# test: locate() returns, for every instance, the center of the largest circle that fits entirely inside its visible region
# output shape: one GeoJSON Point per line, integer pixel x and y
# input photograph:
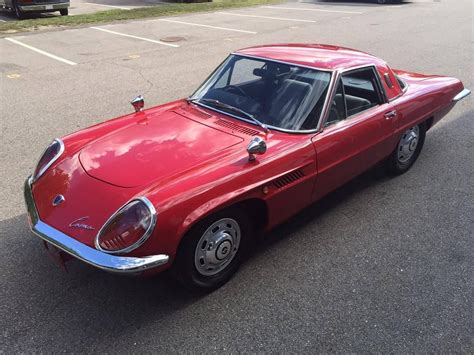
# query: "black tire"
{"type": "Point", "coordinates": [398, 166]}
{"type": "Point", "coordinates": [185, 269]}
{"type": "Point", "coordinates": [64, 12]}
{"type": "Point", "coordinates": [18, 13]}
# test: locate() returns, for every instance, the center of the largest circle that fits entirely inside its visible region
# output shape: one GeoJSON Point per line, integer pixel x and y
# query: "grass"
{"type": "Point", "coordinates": [123, 15]}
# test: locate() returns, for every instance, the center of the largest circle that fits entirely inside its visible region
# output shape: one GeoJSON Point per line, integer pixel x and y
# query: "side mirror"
{"type": "Point", "coordinates": [138, 103]}
{"type": "Point", "coordinates": [257, 146]}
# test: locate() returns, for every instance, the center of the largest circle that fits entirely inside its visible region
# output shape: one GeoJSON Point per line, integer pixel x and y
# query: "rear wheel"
{"type": "Point", "coordinates": [64, 12]}
{"type": "Point", "coordinates": [408, 149]}
{"type": "Point", "coordinates": [212, 251]}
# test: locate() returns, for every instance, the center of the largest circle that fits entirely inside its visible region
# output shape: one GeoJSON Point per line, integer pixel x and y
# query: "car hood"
{"type": "Point", "coordinates": [153, 148]}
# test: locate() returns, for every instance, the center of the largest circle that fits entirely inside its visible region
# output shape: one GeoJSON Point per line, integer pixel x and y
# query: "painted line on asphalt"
{"type": "Point", "coordinates": [135, 37]}
{"type": "Point", "coordinates": [111, 6]}
{"type": "Point", "coordinates": [3, 21]}
{"type": "Point", "coordinates": [40, 51]}
{"type": "Point", "coordinates": [208, 26]}
{"type": "Point", "coordinates": [307, 9]}
{"type": "Point", "coordinates": [266, 17]}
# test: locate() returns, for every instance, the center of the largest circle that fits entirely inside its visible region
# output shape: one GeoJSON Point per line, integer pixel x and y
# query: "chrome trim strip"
{"type": "Point", "coordinates": [461, 95]}
{"type": "Point", "coordinates": [338, 76]}
{"type": "Point", "coordinates": [377, 76]}
{"type": "Point", "coordinates": [144, 237]}
{"type": "Point", "coordinates": [272, 128]}
{"type": "Point", "coordinates": [56, 157]}
{"type": "Point", "coordinates": [91, 256]}
{"type": "Point", "coordinates": [326, 107]}
{"type": "Point", "coordinates": [282, 62]}
{"type": "Point", "coordinates": [278, 129]}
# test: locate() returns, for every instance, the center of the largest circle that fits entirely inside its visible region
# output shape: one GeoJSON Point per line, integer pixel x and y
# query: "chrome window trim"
{"type": "Point", "coordinates": [307, 131]}
{"type": "Point", "coordinates": [51, 162]}
{"type": "Point", "coordinates": [404, 89]}
{"type": "Point", "coordinates": [377, 77]}
{"type": "Point", "coordinates": [273, 128]}
{"type": "Point", "coordinates": [339, 75]}
{"type": "Point", "coordinates": [143, 238]}
{"type": "Point", "coordinates": [282, 62]}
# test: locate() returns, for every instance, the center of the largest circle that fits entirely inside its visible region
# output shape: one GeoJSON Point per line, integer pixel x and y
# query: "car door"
{"type": "Point", "coordinates": [358, 131]}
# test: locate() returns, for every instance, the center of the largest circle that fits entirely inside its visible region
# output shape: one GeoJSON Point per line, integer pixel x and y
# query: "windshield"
{"type": "Point", "coordinates": [261, 91]}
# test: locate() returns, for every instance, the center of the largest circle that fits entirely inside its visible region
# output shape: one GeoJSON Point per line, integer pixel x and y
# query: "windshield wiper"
{"type": "Point", "coordinates": [223, 105]}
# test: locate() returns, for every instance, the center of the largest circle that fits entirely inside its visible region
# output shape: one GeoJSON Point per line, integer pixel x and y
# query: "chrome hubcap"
{"type": "Point", "coordinates": [408, 144]}
{"type": "Point", "coordinates": [217, 247]}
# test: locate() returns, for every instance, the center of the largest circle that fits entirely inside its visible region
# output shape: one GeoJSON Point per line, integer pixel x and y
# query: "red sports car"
{"type": "Point", "coordinates": [188, 185]}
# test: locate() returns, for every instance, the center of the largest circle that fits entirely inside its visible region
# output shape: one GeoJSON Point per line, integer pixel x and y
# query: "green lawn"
{"type": "Point", "coordinates": [122, 15]}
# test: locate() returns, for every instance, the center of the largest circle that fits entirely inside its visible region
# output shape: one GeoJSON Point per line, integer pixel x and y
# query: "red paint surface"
{"type": "Point", "coordinates": [189, 166]}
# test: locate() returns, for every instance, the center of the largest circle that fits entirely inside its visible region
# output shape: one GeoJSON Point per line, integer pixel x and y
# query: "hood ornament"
{"type": "Point", "coordinates": [77, 224]}
{"type": "Point", "coordinates": [58, 200]}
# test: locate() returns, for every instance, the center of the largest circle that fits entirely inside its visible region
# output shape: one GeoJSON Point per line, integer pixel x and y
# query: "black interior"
{"type": "Point", "coordinates": [275, 93]}
{"type": "Point", "coordinates": [356, 92]}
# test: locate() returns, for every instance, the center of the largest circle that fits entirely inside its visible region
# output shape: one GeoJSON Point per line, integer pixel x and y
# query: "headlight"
{"type": "Point", "coordinates": [128, 228]}
{"type": "Point", "coordinates": [50, 155]}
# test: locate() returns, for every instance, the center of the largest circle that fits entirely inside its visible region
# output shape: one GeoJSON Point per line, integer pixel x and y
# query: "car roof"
{"type": "Point", "coordinates": [318, 56]}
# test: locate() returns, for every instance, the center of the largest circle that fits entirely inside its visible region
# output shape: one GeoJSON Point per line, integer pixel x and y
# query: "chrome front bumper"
{"type": "Point", "coordinates": [101, 260]}
{"type": "Point", "coordinates": [44, 7]}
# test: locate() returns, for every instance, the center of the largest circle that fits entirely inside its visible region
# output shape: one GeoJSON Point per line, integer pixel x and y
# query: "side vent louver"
{"type": "Point", "coordinates": [236, 127]}
{"type": "Point", "coordinates": [288, 179]}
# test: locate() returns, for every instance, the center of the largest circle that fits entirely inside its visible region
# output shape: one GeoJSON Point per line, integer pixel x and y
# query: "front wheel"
{"type": "Point", "coordinates": [64, 12]}
{"type": "Point", "coordinates": [211, 252]}
{"type": "Point", "coordinates": [408, 149]}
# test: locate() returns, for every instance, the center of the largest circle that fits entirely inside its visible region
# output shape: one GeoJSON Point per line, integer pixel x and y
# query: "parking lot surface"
{"type": "Point", "coordinates": [381, 265]}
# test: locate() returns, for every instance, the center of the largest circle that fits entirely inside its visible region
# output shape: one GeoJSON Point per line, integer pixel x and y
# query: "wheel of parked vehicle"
{"type": "Point", "coordinates": [211, 252]}
{"type": "Point", "coordinates": [408, 149]}
{"type": "Point", "coordinates": [18, 13]}
{"type": "Point", "coordinates": [64, 12]}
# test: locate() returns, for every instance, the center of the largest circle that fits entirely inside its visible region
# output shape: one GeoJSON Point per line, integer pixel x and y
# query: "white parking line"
{"type": "Point", "coordinates": [136, 37]}
{"type": "Point", "coordinates": [208, 26]}
{"type": "Point", "coordinates": [111, 6]}
{"type": "Point", "coordinates": [266, 17]}
{"type": "Point", "coordinates": [40, 51]}
{"type": "Point", "coordinates": [307, 9]}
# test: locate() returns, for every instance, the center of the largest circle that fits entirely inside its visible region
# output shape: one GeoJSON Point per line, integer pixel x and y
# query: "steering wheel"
{"type": "Point", "coordinates": [239, 90]}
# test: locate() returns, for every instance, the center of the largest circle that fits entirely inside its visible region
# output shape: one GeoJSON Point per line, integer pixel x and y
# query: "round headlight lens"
{"type": "Point", "coordinates": [50, 155]}
{"type": "Point", "coordinates": [128, 228]}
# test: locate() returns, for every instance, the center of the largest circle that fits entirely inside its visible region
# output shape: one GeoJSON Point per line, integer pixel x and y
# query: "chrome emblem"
{"type": "Point", "coordinates": [58, 200]}
{"type": "Point", "coordinates": [77, 224]}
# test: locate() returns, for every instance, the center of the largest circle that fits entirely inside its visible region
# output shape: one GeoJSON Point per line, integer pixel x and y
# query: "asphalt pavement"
{"type": "Point", "coordinates": [381, 265]}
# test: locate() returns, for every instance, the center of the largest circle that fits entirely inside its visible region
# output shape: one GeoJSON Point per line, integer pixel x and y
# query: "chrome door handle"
{"type": "Point", "coordinates": [391, 114]}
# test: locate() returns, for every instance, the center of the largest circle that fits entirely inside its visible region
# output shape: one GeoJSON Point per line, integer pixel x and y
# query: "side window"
{"type": "Point", "coordinates": [337, 112]}
{"type": "Point", "coordinates": [244, 71]}
{"type": "Point", "coordinates": [360, 91]}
